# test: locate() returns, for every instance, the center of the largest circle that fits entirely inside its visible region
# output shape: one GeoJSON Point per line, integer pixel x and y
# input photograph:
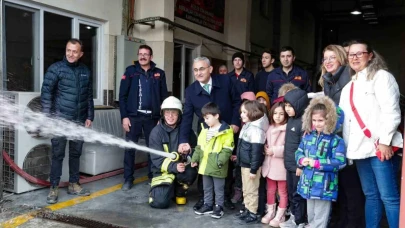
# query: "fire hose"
{"type": "Point", "coordinates": [174, 156]}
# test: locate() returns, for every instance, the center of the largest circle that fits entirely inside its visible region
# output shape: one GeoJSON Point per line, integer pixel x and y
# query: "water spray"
{"type": "Point", "coordinates": [56, 127]}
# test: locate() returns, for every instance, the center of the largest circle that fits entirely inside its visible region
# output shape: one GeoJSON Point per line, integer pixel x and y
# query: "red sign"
{"type": "Point", "coordinates": [207, 13]}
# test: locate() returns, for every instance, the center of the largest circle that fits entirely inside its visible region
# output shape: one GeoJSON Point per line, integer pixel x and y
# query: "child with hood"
{"type": "Point", "coordinates": [321, 154]}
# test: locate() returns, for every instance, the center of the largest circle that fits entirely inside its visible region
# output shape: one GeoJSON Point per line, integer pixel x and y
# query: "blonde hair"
{"type": "Point", "coordinates": [341, 57]}
{"type": "Point", "coordinates": [375, 64]}
{"type": "Point", "coordinates": [285, 88]}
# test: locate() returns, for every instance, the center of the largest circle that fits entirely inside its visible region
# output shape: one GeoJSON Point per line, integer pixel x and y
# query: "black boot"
{"type": "Point", "coordinates": [251, 218]}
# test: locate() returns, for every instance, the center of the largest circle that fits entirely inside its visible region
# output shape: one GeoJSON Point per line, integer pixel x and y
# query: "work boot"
{"type": "Point", "coordinates": [76, 189]}
{"type": "Point", "coordinates": [271, 212]}
{"type": "Point", "coordinates": [126, 186]}
{"type": "Point", "coordinates": [53, 195]}
{"type": "Point", "coordinates": [181, 200]}
{"type": "Point", "coordinates": [199, 204]}
{"type": "Point", "coordinates": [279, 218]}
{"type": "Point", "coordinates": [237, 195]}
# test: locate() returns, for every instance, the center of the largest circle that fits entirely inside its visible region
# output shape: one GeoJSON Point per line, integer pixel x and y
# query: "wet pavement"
{"type": "Point", "coordinates": [110, 205]}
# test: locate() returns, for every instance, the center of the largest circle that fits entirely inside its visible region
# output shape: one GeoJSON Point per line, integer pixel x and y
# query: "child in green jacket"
{"type": "Point", "coordinates": [214, 148]}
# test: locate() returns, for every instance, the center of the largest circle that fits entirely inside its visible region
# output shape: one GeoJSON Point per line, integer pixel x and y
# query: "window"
{"type": "Point", "coordinates": [20, 45]}
{"type": "Point", "coordinates": [35, 38]}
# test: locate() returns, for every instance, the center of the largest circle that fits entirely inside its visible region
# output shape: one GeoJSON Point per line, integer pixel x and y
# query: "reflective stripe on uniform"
{"type": "Point", "coordinates": [165, 165]}
{"type": "Point", "coordinates": [164, 179]}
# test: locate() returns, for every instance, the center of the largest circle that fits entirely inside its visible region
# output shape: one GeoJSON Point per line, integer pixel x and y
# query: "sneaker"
{"type": "Point", "coordinates": [76, 189]}
{"type": "Point", "coordinates": [237, 195]}
{"type": "Point", "coordinates": [199, 204]}
{"type": "Point", "coordinates": [301, 225]}
{"type": "Point", "coordinates": [218, 212]}
{"type": "Point", "coordinates": [251, 218]}
{"type": "Point", "coordinates": [127, 185]}
{"type": "Point", "coordinates": [204, 210]}
{"type": "Point", "coordinates": [53, 195]}
{"type": "Point", "coordinates": [229, 205]}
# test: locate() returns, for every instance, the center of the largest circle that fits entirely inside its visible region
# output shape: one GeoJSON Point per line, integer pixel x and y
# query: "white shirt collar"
{"type": "Point", "coordinates": [209, 83]}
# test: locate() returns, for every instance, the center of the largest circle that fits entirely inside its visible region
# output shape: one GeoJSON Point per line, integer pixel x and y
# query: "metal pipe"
{"type": "Point", "coordinates": [174, 24]}
{"type": "Point", "coordinates": [150, 21]}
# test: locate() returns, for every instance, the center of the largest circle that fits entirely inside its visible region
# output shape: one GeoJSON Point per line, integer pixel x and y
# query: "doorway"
{"type": "Point", "coordinates": [182, 69]}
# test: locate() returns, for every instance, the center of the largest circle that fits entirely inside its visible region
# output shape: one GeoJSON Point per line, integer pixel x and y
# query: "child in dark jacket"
{"type": "Point", "coordinates": [321, 154]}
{"type": "Point", "coordinates": [250, 155]}
{"type": "Point", "coordinates": [296, 101]}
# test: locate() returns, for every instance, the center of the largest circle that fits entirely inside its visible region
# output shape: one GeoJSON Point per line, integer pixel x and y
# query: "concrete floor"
{"type": "Point", "coordinates": [127, 209]}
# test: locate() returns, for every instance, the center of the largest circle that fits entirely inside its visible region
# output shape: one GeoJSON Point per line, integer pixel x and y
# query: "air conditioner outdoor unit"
{"type": "Point", "coordinates": [32, 154]}
{"type": "Point", "coordinates": [98, 158]}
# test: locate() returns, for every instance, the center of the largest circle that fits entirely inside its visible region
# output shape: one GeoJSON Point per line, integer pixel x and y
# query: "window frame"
{"type": "Point", "coordinates": [76, 21]}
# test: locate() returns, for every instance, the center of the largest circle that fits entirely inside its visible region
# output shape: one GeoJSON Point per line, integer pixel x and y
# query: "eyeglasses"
{"type": "Point", "coordinates": [201, 69]}
{"type": "Point", "coordinates": [171, 113]}
{"type": "Point", "coordinates": [143, 54]}
{"type": "Point", "coordinates": [358, 54]}
{"type": "Point", "coordinates": [330, 59]}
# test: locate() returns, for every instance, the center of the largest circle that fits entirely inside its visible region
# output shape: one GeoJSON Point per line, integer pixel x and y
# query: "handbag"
{"type": "Point", "coordinates": [396, 141]}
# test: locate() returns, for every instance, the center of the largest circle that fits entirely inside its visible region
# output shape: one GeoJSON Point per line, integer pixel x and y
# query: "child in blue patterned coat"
{"type": "Point", "coordinates": [321, 153]}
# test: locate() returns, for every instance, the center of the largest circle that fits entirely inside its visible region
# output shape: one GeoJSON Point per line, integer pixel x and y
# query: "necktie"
{"type": "Point", "coordinates": [206, 87]}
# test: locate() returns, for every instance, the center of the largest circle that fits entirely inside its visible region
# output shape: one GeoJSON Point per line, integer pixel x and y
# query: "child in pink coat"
{"type": "Point", "coordinates": [273, 166]}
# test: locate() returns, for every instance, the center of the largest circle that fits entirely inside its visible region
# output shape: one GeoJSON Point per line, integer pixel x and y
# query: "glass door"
{"type": "Point", "coordinates": [182, 69]}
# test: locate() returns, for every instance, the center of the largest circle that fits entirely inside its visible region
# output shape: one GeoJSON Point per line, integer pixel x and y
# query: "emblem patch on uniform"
{"type": "Point", "coordinates": [123, 77]}
{"type": "Point", "coordinates": [156, 75]}
{"type": "Point", "coordinates": [298, 78]}
{"type": "Point", "coordinates": [243, 79]}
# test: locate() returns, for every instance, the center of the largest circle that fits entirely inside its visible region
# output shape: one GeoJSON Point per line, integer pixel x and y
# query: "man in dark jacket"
{"type": "Point", "coordinates": [296, 101]}
{"type": "Point", "coordinates": [243, 79]}
{"type": "Point", "coordinates": [165, 137]}
{"type": "Point", "coordinates": [217, 89]}
{"type": "Point", "coordinates": [67, 93]}
{"type": "Point", "coordinates": [288, 72]}
{"type": "Point", "coordinates": [263, 75]}
{"type": "Point", "coordinates": [142, 91]}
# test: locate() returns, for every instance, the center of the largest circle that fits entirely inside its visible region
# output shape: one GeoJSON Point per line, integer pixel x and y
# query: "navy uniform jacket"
{"type": "Point", "coordinates": [278, 77]}
{"type": "Point", "coordinates": [245, 82]}
{"type": "Point", "coordinates": [261, 81]}
{"type": "Point", "coordinates": [129, 89]}
{"type": "Point", "coordinates": [223, 93]}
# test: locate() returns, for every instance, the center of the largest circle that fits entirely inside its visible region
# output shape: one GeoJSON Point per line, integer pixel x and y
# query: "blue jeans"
{"type": "Point", "coordinates": [138, 123]}
{"type": "Point", "coordinates": [379, 184]}
{"type": "Point", "coordinates": [58, 154]}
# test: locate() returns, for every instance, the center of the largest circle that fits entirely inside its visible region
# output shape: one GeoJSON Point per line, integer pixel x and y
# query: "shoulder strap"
{"type": "Point", "coordinates": [363, 127]}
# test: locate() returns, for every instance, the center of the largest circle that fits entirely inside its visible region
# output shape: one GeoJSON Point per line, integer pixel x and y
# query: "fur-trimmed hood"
{"type": "Point", "coordinates": [334, 115]}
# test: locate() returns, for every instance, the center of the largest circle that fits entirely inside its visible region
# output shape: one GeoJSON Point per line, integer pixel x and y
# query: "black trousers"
{"type": "Point", "coordinates": [161, 195]}
{"type": "Point", "coordinates": [298, 205]}
{"type": "Point", "coordinates": [350, 199]}
{"type": "Point", "coordinates": [58, 154]}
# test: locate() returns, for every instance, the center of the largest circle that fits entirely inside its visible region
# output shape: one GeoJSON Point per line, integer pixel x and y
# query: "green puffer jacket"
{"type": "Point", "coordinates": [213, 156]}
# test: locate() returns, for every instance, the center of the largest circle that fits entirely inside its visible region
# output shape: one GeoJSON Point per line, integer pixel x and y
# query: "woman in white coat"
{"type": "Point", "coordinates": [372, 115]}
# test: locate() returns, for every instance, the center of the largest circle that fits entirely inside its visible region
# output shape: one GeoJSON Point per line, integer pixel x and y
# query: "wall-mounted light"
{"type": "Point", "coordinates": [88, 27]}
{"type": "Point", "coordinates": [356, 12]}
